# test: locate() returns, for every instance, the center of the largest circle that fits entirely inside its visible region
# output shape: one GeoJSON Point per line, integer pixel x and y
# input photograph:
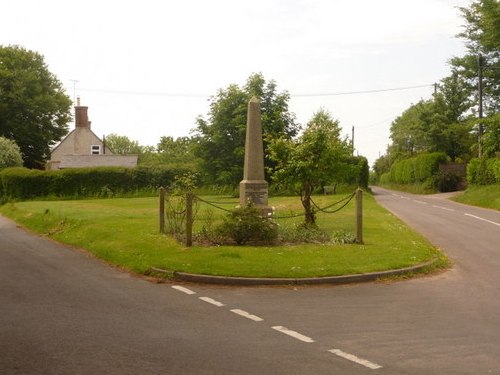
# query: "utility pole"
{"type": "Point", "coordinates": [352, 140]}
{"type": "Point", "coordinates": [480, 64]}
{"type": "Point", "coordinates": [75, 81]}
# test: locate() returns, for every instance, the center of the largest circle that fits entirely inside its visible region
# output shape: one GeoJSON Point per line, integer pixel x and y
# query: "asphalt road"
{"type": "Point", "coordinates": [63, 312]}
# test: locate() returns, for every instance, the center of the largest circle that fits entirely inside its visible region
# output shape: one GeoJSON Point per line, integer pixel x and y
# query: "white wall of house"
{"type": "Point", "coordinates": [82, 148]}
{"type": "Point", "coordinates": [79, 142]}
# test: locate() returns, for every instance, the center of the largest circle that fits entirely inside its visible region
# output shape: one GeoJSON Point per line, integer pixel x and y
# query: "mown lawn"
{"type": "Point", "coordinates": [125, 232]}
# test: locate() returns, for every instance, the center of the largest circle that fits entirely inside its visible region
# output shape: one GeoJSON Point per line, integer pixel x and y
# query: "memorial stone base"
{"type": "Point", "coordinates": [257, 193]}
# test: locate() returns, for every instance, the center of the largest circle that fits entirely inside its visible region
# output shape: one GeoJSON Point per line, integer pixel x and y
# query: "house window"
{"type": "Point", "coordinates": [95, 150]}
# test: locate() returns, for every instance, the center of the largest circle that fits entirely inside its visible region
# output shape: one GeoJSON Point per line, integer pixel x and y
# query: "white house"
{"type": "Point", "coordinates": [82, 148]}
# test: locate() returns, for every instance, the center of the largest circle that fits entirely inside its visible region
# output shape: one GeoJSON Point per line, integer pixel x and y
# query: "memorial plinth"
{"type": "Point", "coordinates": [253, 187]}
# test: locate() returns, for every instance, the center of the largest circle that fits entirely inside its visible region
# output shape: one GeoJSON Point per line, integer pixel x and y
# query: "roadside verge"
{"type": "Point", "coordinates": [261, 281]}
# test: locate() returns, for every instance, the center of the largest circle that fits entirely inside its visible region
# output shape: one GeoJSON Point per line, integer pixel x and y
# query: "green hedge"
{"type": "Point", "coordinates": [481, 171]}
{"type": "Point", "coordinates": [419, 169]}
{"type": "Point", "coordinates": [22, 183]}
{"type": "Point", "coordinates": [358, 171]}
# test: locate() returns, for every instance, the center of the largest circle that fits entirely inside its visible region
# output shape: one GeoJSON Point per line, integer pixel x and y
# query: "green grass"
{"type": "Point", "coordinates": [124, 232]}
{"type": "Point", "coordinates": [484, 196]}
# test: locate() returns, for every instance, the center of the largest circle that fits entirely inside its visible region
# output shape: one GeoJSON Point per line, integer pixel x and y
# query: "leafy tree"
{"type": "Point", "coordinates": [10, 154]}
{"type": "Point", "coordinates": [122, 145]}
{"type": "Point", "coordinates": [318, 157]}
{"type": "Point", "coordinates": [482, 37]}
{"type": "Point", "coordinates": [439, 124]}
{"type": "Point", "coordinates": [220, 138]}
{"type": "Point", "coordinates": [34, 110]}
{"type": "Point", "coordinates": [176, 150]}
{"type": "Point", "coordinates": [446, 122]}
{"type": "Point", "coordinates": [177, 153]}
{"type": "Point", "coordinates": [491, 139]}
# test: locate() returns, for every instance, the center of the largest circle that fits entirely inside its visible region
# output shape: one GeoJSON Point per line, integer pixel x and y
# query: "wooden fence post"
{"type": "Point", "coordinates": [359, 216]}
{"type": "Point", "coordinates": [189, 219]}
{"type": "Point", "coordinates": [162, 210]}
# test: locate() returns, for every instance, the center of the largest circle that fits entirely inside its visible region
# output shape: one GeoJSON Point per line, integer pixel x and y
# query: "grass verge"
{"type": "Point", "coordinates": [124, 232]}
{"type": "Point", "coordinates": [487, 196]}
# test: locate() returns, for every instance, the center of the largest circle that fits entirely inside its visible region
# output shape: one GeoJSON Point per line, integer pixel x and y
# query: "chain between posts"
{"type": "Point", "coordinates": [190, 217]}
{"type": "Point", "coordinates": [213, 205]}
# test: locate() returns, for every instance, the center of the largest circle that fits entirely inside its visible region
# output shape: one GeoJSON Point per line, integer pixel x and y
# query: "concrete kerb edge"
{"type": "Point", "coordinates": [260, 281]}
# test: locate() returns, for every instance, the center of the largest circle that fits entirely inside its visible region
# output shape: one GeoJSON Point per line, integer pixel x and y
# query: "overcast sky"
{"type": "Point", "coordinates": [147, 68]}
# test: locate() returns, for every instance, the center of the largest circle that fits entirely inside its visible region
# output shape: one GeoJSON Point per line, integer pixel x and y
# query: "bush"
{"type": "Point", "coordinates": [10, 154]}
{"type": "Point", "coordinates": [495, 167]}
{"type": "Point", "coordinates": [420, 169]}
{"type": "Point", "coordinates": [481, 171]}
{"type": "Point", "coordinates": [21, 183]}
{"type": "Point", "coordinates": [385, 178]}
{"type": "Point", "coordinates": [303, 234]}
{"type": "Point", "coordinates": [247, 224]}
{"type": "Point", "coordinates": [358, 172]}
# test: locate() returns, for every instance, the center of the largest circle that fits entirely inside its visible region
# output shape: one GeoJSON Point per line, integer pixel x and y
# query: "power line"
{"type": "Point", "coordinates": [366, 91]}
{"type": "Point", "coordinates": [145, 93]}
{"type": "Point", "coordinates": [194, 95]}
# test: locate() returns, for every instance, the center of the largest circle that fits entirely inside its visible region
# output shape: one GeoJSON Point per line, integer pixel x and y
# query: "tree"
{"type": "Point", "coordinates": [482, 37]}
{"type": "Point", "coordinates": [10, 154]}
{"type": "Point", "coordinates": [220, 138]}
{"type": "Point", "coordinates": [491, 140]}
{"type": "Point", "coordinates": [177, 153]}
{"type": "Point", "coordinates": [318, 157]}
{"type": "Point", "coordinates": [445, 123]}
{"type": "Point", "coordinates": [176, 150]}
{"type": "Point", "coordinates": [34, 110]}
{"type": "Point", "coordinates": [122, 145]}
{"type": "Point", "coordinates": [440, 124]}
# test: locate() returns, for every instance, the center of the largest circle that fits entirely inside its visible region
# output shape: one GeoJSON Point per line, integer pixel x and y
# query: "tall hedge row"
{"type": "Point", "coordinates": [22, 183]}
{"type": "Point", "coordinates": [419, 169]}
{"type": "Point", "coordinates": [481, 171]}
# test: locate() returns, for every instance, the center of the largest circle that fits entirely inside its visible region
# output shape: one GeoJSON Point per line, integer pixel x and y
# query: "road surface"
{"type": "Point", "coordinates": [64, 312]}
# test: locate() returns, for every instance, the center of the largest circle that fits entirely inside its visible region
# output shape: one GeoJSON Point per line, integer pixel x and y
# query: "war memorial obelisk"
{"type": "Point", "coordinates": [253, 187]}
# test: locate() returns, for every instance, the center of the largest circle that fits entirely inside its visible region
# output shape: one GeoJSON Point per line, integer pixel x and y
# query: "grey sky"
{"type": "Point", "coordinates": [146, 68]}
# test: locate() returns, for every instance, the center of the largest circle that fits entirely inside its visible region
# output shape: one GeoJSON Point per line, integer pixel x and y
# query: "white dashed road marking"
{"type": "Point", "coordinates": [293, 334]}
{"type": "Point", "coordinates": [482, 219]}
{"type": "Point", "coordinates": [444, 208]}
{"type": "Point", "coordinates": [212, 301]}
{"type": "Point", "coordinates": [286, 331]}
{"type": "Point", "coordinates": [247, 315]}
{"type": "Point", "coordinates": [353, 358]}
{"type": "Point", "coordinates": [182, 289]}
{"type": "Point", "coordinates": [421, 202]}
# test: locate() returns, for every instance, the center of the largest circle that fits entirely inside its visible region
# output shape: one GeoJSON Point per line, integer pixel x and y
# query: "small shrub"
{"type": "Point", "coordinates": [247, 224]}
{"type": "Point", "coordinates": [303, 234]}
{"type": "Point", "coordinates": [481, 171]}
{"type": "Point", "coordinates": [343, 237]}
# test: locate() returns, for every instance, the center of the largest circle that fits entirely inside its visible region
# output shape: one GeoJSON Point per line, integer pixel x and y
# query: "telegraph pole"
{"type": "Point", "coordinates": [480, 64]}
{"type": "Point", "coordinates": [352, 140]}
{"type": "Point", "coordinates": [75, 81]}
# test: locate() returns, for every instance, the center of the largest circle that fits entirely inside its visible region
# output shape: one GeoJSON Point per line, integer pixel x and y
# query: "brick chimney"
{"type": "Point", "coordinates": [81, 116]}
